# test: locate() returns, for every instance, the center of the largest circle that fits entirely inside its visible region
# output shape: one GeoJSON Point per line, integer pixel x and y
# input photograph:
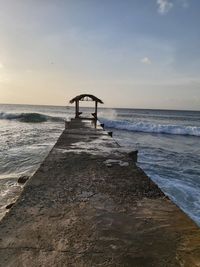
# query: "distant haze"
{"type": "Point", "coordinates": [129, 53]}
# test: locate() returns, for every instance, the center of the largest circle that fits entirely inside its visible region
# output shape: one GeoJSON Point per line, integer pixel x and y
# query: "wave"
{"type": "Point", "coordinates": [148, 127]}
{"type": "Point", "coordinates": [28, 117]}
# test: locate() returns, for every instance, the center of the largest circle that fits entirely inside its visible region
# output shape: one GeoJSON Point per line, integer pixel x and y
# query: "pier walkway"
{"type": "Point", "coordinates": [89, 205]}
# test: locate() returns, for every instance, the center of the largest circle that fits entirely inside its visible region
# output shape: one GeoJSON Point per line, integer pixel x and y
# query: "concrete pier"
{"type": "Point", "coordinates": [89, 205]}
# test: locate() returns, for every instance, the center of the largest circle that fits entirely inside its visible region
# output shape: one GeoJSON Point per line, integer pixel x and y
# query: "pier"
{"type": "Point", "coordinates": [89, 205]}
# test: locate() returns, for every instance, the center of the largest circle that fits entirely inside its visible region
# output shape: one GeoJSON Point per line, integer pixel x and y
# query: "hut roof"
{"type": "Point", "coordinates": [85, 97]}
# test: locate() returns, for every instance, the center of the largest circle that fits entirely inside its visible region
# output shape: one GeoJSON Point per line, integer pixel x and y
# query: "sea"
{"type": "Point", "coordinates": [168, 142]}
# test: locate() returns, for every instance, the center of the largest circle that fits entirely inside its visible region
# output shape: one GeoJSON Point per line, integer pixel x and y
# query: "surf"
{"type": "Point", "coordinates": [29, 117]}
{"type": "Point", "coordinates": [147, 127]}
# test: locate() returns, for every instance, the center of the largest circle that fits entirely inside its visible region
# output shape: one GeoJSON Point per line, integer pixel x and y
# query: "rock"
{"type": "Point", "coordinates": [10, 205]}
{"type": "Point", "coordinates": [111, 134]}
{"type": "Point", "coordinates": [23, 179]}
{"type": "Point", "coordinates": [134, 155]}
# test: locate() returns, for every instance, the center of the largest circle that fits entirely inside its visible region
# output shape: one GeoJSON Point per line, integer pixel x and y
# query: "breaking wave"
{"type": "Point", "coordinates": [148, 127]}
{"type": "Point", "coordinates": [28, 117]}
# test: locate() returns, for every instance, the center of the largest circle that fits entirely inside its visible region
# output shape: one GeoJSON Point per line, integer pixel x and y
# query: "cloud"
{"type": "Point", "coordinates": [1, 66]}
{"type": "Point", "coordinates": [146, 61]}
{"type": "Point", "coordinates": [164, 6]}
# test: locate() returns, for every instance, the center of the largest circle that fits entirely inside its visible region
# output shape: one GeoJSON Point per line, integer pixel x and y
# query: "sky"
{"type": "Point", "coordinates": [129, 53]}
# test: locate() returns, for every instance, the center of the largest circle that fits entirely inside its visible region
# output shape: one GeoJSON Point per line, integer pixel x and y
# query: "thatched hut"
{"type": "Point", "coordinates": [85, 97]}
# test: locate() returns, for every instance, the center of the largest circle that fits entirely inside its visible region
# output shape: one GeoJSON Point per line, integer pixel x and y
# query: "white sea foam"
{"type": "Point", "coordinates": [110, 114]}
{"type": "Point", "coordinates": [183, 193]}
{"type": "Point", "coordinates": [152, 127]}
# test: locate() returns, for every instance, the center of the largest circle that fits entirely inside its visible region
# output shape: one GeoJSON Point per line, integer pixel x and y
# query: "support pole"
{"type": "Point", "coordinates": [77, 109]}
{"type": "Point", "coordinates": [96, 104]}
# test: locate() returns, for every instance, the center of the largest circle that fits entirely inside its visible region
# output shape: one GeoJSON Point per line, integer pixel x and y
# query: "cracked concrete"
{"type": "Point", "coordinates": [76, 211]}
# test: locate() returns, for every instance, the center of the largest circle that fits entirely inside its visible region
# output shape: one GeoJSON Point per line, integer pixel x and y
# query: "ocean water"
{"type": "Point", "coordinates": [168, 143]}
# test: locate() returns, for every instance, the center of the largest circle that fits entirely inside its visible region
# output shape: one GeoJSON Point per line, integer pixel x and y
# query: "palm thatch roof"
{"type": "Point", "coordinates": [85, 97]}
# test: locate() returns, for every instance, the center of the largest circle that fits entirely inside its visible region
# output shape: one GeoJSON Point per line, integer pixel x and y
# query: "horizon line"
{"type": "Point", "coordinates": [50, 105]}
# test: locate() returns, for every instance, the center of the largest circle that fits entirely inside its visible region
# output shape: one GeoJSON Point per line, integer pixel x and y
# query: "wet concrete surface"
{"type": "Point", "coordinates": [90, 205]}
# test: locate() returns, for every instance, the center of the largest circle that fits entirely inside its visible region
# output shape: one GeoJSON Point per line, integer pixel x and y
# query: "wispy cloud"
{"type": "Point", "coordinates": [146, 61]}
{"type": "Point", "coordinates": [164, 6]}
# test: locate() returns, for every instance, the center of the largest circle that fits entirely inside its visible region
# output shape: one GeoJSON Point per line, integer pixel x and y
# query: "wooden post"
{"type": "Point", "coordinates": [77, 108]}
{"type": "Point", "coordinates": [96, 104]}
